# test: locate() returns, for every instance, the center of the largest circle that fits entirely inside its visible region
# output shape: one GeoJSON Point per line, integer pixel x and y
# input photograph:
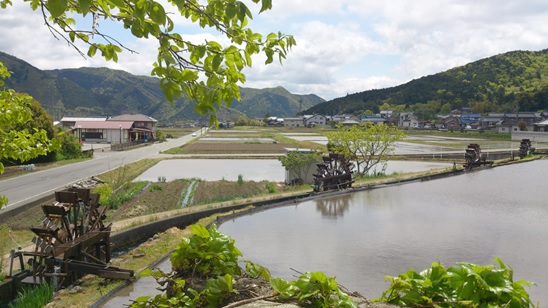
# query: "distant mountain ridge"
{"type": "Point", "coordinates": [103, 92]}
{"type": "Point", "coordinates": [516, 80]}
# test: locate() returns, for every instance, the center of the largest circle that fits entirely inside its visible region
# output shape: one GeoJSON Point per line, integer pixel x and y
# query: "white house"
{"type": "Point", "coordinates": [407, 120]}
{"type": "Point", "coordinates": [315, 120]}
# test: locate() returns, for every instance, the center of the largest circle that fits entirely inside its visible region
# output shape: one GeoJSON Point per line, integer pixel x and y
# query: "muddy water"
{"type": "Point", "coordinates": [361, 237]}
{"type": "Point", "coordinates": [145, 286]}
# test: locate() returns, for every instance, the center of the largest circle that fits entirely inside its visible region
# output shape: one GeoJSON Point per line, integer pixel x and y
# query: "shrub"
{"type": "Point", "coordinates": [105, 193]}
{"type": "Point", "coordinates": [270, 187]}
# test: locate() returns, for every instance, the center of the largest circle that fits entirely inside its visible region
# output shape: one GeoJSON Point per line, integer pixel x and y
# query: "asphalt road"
{"type": "Point", "coordinates": [35, 185]}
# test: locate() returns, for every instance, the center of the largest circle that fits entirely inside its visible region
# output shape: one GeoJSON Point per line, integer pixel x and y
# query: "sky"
{"type": "Point", "coordinates": [343, 46]}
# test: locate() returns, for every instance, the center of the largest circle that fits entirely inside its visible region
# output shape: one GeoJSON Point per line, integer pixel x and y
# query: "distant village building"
{"type": "Point", "coordinates": [469, 120]}
{"type": "Point", "coordinates": [274, 121]}
{"type": "Point", "coordinates": [508, 122]}
{"type": "Point", "coordinates": [294, 122]}
{"type": "Point", "coordinates": [349, 122]}
{"type": "Point", "coordinates": [408, 120]}
{"type": "Point", "coordinates": [315, 120]}
{"type": "Point", "coordinates": [541, 126]}
{"type": "Point", "coordinates": [305, 121]}
{"type": "Point", "coordinates": [374, 119]}
{"type": "Point", "coordinates": [118, 129]}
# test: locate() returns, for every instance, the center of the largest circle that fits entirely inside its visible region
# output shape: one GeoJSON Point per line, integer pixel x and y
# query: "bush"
{"type": "Point", "coordinates": [70, 147]}
{"type": "Point", "coordinates": [160, 136]}
{"type": "Point", "coordinates": [105, 193]}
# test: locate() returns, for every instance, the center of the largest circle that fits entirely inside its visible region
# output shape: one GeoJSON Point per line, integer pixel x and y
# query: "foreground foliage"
{"type": "Point", "coordinates": [17, 142]}
{"type": "Point", "coordinates": [212, 255]}
{"type": "Point", "coordinates": [462, 285]}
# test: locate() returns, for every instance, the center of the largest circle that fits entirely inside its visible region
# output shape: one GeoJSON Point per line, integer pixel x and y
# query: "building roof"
{"type": "Point", "coordinates": [76, 119]}
{"type": "Point", "coordinates": [103, 125]}
{"type": "Point", "coordinates": [133, 118]}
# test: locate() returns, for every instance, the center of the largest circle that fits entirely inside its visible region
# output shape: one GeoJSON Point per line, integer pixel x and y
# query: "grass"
{"type": "Point", "coordinates": [128, 172]}
{"type": "Point", "coordinates": [177, 132]}
{"type": "Point", "coordinates": [33, 296]}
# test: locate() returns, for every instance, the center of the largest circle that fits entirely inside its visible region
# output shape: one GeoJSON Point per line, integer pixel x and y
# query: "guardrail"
{"type": "Point", "coordinates": [127, 145]}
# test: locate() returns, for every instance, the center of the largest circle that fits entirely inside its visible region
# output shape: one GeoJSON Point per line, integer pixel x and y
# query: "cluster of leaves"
{"type": "Point", "coordinates": [19, 143]}
{"type": "Point", "coordinates": [462, 285]}
{"type": "Point", "coordinates": [212, 255]}
{"type": "Point", "coordinates": [207, 253]}
{"type": "Point", "coordinates": [366, 144]}
{"type": "Point", "coordinates": [313, 289]}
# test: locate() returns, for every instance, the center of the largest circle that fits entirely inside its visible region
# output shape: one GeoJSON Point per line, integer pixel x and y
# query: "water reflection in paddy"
{"type": "Point", "coordinates": [364, 236]}
{"type": "Point", "coordinates": [250, 169]}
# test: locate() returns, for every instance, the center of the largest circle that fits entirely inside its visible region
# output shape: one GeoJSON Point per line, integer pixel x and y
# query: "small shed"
{"type": "Point", "coordinates": [308, 170]}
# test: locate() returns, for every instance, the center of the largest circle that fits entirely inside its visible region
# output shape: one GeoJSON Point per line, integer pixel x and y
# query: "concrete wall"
{"type": "Point", "coordinates": [533, 136]}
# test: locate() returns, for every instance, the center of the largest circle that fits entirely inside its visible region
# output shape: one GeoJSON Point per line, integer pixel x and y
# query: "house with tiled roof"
{"type": "Point", "coordinates": [119, 129]}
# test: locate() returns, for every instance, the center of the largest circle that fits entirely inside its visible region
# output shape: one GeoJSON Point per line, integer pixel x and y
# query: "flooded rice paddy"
{"type": "Point", "coordinates": [363, 236]}
{"type": "Point", "coordinates": [249, 169]}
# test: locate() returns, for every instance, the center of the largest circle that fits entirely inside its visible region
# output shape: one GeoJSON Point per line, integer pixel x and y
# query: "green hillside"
{"type": "Point", "coordinates": [501, 83]}
{"type": "Point", "coordinates": [103, 92]}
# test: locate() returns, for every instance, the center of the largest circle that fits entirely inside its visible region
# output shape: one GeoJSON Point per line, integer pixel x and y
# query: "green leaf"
{"type": "Point", "coordinates": [256, 270]}
{"type": "Point", "coordinates": [92, 50]}
{"type": "Point", "coordinates": [117, 3]}
{"type": "Point", "coordinates": [84, 6]}
{"type": "Point", "coordinates": [157, 14]}
{"type": "Point", "coordinates": [285, 289]}
{"type": "Point", "coordinates": [57, 7]}
{"type": "Point", "coordinates": [231, 11]}
{"type": "Point", "coordinates": [266, 5]}
{"type": "Point", "coordinates": [189, 75]}
{"type": "Point", "coordinates": [200, 231]}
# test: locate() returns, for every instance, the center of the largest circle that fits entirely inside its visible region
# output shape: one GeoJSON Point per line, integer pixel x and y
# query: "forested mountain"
{"type": "Point", "coordinates": [505, 82]}
{"type": "Point", "coordinates": [103, 92]}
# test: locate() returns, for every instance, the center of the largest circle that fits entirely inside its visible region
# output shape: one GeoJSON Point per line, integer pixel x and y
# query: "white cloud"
{"type": "Point", "coordinates": [343, 46]}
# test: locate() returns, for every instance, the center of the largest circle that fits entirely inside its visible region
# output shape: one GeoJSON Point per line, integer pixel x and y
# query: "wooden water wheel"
{"type": "Point", "coordinates": [71, 242]}
{"type": "Point", "coordinates": [525, 148]}
{"type": "Point", "coordinates": [474, 158]}
{"type": "Point", "coordinates": [335, 172]}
